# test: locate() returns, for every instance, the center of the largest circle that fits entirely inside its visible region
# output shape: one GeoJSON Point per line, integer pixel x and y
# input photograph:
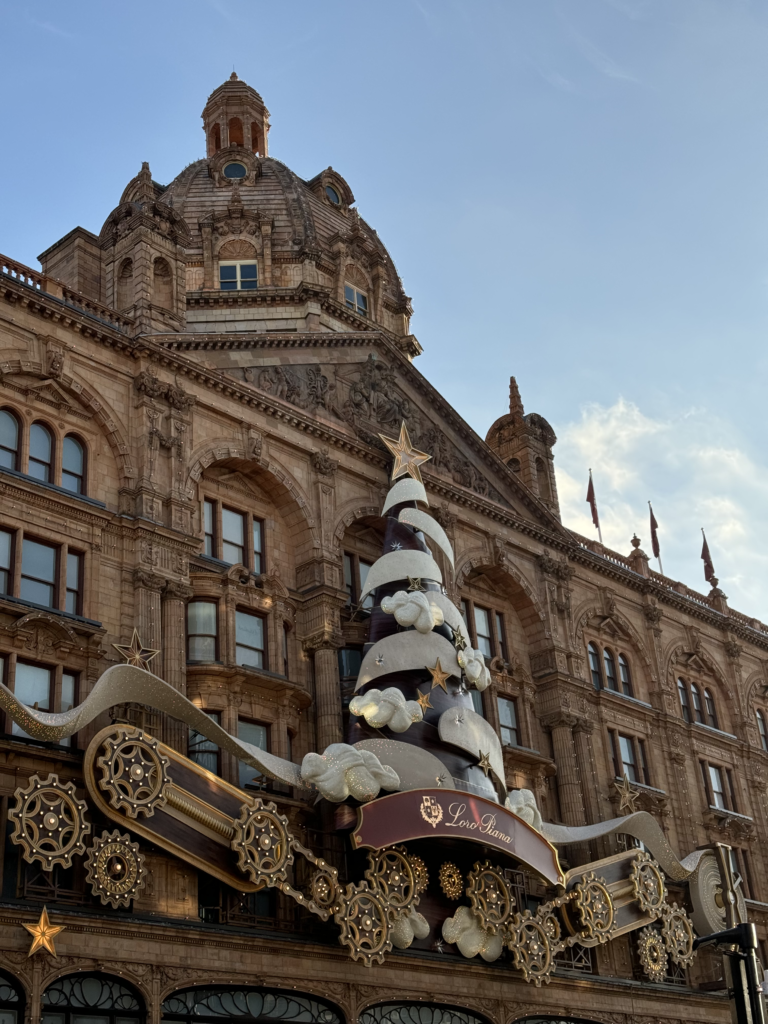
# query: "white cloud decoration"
{"type": "Point", "coordinates": [344, 771]}
{"type": "Point", "coordinates": [412, 608]}
{"type": "Point", "coordinates": [522, 802]}
{"type": "Point", "coordinates": [465, 930]}
{"type": "Point", "coordinates": [409, 926]}
{"type": "Point", "coordinates": [386, 708]}
{"type": "Point", "coordinates": [473, 663]}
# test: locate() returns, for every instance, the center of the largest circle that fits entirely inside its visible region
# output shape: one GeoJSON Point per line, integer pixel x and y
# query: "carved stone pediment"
{"type": "Point", "coordinates": [728, 825]}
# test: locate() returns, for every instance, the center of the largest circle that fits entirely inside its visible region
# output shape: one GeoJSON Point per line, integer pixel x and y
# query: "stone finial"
{"type": "Point", "coordinates": [638, 560]}
{"type": "Point", "coordinates": [515, 402]}
{"type": "Point", "coordinates": [233, 77]}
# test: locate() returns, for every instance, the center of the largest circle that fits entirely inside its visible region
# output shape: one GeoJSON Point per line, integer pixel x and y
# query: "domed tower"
{"type": "Point", "coordinates": [235, 116]}
{"type": "Point", "coordinates": [525, 444]}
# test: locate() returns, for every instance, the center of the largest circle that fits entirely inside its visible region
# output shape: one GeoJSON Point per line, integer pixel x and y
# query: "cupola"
{"type": "Point", "coordinates": [235, 116]}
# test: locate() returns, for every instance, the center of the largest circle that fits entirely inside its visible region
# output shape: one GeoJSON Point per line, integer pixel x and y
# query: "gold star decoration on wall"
{"type": "Point", "coordinates": [485, 762]}
{"type": "Point", "coordinates": [43, 933]}
{"type": "Point", "coordinates": [629, 798]}
{"type": "Point", "coordinates": [438, 676]}
{"type": "Point", "coordinates": [136, 653]}
{"type": "Point", "coordinates": [423, 701]}
{"type": "Point", "coordinates": [407, 458]}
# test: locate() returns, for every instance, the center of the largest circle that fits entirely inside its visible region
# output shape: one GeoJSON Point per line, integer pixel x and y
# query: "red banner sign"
{"type": "Point", "coordinates": [424, 813]}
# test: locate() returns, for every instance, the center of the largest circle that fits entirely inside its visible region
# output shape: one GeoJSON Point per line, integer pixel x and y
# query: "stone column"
{"type": "Point", "coordinates": [568, 782]}
{"type": "Point", "coordinates": [266, 249]}
{"type": "Point", "coordinates": [582, 732]}
{"type": "Point", "coordinates": [328, 718]}
{"type": "Point", "coordinates": [147, 618]}
{"type": "Point", "coordinates": [175, 597]}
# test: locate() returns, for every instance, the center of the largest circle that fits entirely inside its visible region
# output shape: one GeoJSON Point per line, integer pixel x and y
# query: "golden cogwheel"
{"type": "Point", "coordinates": [134, 772]}
{"type": "Point", "coordinates": [678, 934]}
{"type": "Point", "coordinates": [653, 956]}
{"type": "Point", "coordinates": [262, 843]}
{"type": "Point", "coordinates": [595, 907]}
{"type": "Point", "coordinates": [49, 822]}
{"type": "Point", "coordinates": [648, 885]}
{"type": "Point", "coordinates": [364, 922]}
{"type": "Point", "coordinates": [324, 886]}
{"type": "Point", "coordinates": [390, 875]}
{"type": "Point", "coordinates": [532, 942]}
{"type": "Point", "coordinates": [115, 869]}
{"type": "Point", "coordinates": [489, 896]}
{"type": "Point", "coordinates": [451, 881]}
{"type": "Point", "coordinates": [420, 873]}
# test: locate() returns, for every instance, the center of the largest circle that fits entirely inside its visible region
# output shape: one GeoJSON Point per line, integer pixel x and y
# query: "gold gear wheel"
{"type": "Point", "coordinates": [653, 955]}
{"type": "Point", "coordinates": [134, 772]}
{"type": "Point", "coordinates": [490, 899]}
{"type": "Point", "coordinates": [263, 843]}
{"type": "Point", "coordinates": [390, 874]}
{"type": "Point", "coordinates": [595, 907]}
{"type": "Point", "coordinates": [324, 887]}
{"type": "Point", "coordinates": [451, 881]}
{"type": "Point", "coordinates": [115, 869]}
{"type": "Point", "coordinates": [678, 934]}
{"type": "Point", "coordinates": [364, 923]}
{"type": "Point", "coordinates": [420, 873]}
{"type": "Point", "coordinates": [533, 942]}
{"type": "Point", "coordinates": [49, 822]}
{"type": "Point", "coordinates": [649, 888]}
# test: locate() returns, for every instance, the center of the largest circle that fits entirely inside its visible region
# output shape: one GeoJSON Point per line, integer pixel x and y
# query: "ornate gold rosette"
{"type": "Point", "coordinates": [262, 843]}
{"type": "Point", "coordinates": [420, 873]}
{"type": "Point", "coordinates": [648, 885]}
{"type": "Point", "coordinates": [49, 822]}
{"type": "Point", "coordinates": [490, 899]}
{"type": "Point", "coordinates": [595, 907]}
{"type": "Point", "coordinates": [115, 869]}
{"type": "Point", "coordinates": [134, 772]}
{"type": "Point", "coordinates": [451, 881]}
{"type": "Point", "coordinates": [678, 934]}
{"type": "Point", "coordinates": [653, 955]}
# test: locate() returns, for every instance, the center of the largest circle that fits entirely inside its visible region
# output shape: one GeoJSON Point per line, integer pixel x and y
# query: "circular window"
{"type": "Point", "coordinates": [333, 195]}
{"type": "Point", "coordinates": [235, 171]}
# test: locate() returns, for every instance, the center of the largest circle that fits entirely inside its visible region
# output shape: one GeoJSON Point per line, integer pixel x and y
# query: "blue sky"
{"type": "Point", "coordinates": [574, 191]}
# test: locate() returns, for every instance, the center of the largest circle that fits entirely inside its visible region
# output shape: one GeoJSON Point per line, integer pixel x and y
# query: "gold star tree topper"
{"type": "Point", "coordinates": [136, 653]}
{"type": "Point", "coordinates": [407, 458]}
{"type": "Point", "coordinates": [43, 933]}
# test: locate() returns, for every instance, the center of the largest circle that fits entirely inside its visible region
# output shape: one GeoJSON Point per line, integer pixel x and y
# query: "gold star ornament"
{"type": "Point", "coordinates": [43, 933]}
{"type": "Point", "coordinates": [438, 676]}
{"type": "Point", "coordinates": [458, 639]}
{"type": "Point", "coordinates": [628, 797]}
{"type": "Point", "coordinates": [423, 701]}
{"type": "Point", "coordinates": [485, 762]}
{"type": "Point", "coordinates": [407, 458]}
{"type": "Point", "coordinates": [136, 653]}
{"type": "Point", "coordinates": [414, 583]}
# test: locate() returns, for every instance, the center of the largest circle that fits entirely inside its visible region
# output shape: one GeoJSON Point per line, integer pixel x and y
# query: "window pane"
{"type": "Point", "coordinates": [709, 706]}
{"type": "Point", "coordinates": [763, 732]}
{"type": "Point", "coordinates": [349, 296]}
{"type": "Point", "coordinates": [203, 751]}
{"type": "Point", "coordinates": [698, 714]}
{"type": "Point", "coordinates": [500, 635]}
{"type": "Point", "coordinates": [249, 648]}
{"type": "Point", "coordinates": [682, 691]}
{"type": "Point", "coordinates": [247, 271]}
{"type": "Point", "coordinates": [350, 660]}
{"type": "Point", "coordinates": [626, 683]}
{"type": "Point", "coordinates": [202, 648]}
{"type": "Point", "coordinates": [362, 302]}
{"type": "Point", "coordinates": [716, 782]}
{"type": "Point", "coordinates": [477, 702]}
{"type": "Point", "coordinates": [626, 749]}
{"type": "Point", "coordinates": [227, 273]}
{"type": "Point", "coordinates": [33, 685]}
{"type": "Point", "coordinates": [483, 630]}
{"type": "Point", "coordinates": [9, 435]}
{"type": "Point", "coordinates": [202, 617]}
{"type": "Point", "coordinates": [364, 570]}
{"type": "Point", "coordinates": [348, 577]}
{"type": "Point", "coordinates": [610, 671]}
{"type": "Point", "coordinates": [508, 721]}
{"type": "Point", "coordinates": [6, 539]}
{"type": "Point", "coordinates": [67, 691]}
{"type": "Point", "coordinates": [40, 446]}
{"type": "Point", "coordinates": [74, 565]}
{"type": "Point", "coordinates": [258, 736]}
{"type": "Point", "coordinates": [233, 536]}
{"type": "Point", "coordinates": [594, 667]}
{"type": "Point", "coordinates": [209, 512]}
{"type": "Point", "coordinates": [72, 458]}
{"type": "Point", "coordinates": [38, 572]}
{"type": "Point", "coordinates": [257, 545]}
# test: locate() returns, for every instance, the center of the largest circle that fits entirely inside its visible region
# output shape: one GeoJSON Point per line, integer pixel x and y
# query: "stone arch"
{"type": "Point", "coordinates": [162, 283]}
{"type": "Point", "coordinates": [237, 249]}
{"type": "Point", "coordinates": [114, 432]}
{"type": "Point", "coordinates": [125, 284]}
{"type": "Point", "coordinates": [354, 274]}
{"type": "Point", "coordinates": [480, 559]}
{"type": "Point", "coordinates": [585, 614]}
{"type": "Point", "coordinates": [710, 666]}
{"type": "Point", "coordinates": [751, 685]}
{"type": "Point", "coordinates": [289, 497]}
{"type": "Point", "coordinates": [118, 973]}
{"type": "Point", "coordinates": [211, 981]}
{"type": "Point", "coordinates": [420, 1004]}
{"type": "Point", "coordinates": [17, 980]}
{"type": "Point", "coordinates": [349, 513]}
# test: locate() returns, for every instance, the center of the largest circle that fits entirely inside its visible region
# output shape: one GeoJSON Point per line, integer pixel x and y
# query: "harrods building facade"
{"type": "Point", "coordinates": [190, 410]}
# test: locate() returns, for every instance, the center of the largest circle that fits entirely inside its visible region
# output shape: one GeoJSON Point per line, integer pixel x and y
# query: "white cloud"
{"type": "Point", "coordinates": [695, 475]}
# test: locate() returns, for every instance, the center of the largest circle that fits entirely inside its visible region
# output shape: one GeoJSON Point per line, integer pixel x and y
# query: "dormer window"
{"type": "Point", "coordinates": [355, 300]}
{"type": "Point", "coordinates": [236, 276]}
{"type": "Point", "coordinates": [333, 195]}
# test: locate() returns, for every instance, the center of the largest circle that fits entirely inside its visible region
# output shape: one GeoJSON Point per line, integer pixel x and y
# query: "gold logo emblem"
{"type": "Point", "coordinates": [431, 811]}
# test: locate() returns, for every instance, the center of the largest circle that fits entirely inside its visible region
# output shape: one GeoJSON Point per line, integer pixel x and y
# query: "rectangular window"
{"type": "Point", "coordinates": [349, 569]}
{"type": "Point", "coordinates": [202, 631]}
{"type": "Point", "coordinates": [32, 687]}
{"type": "Point", "coordinates": [232, 537]}
{"type": "Point", "coordinates": [642, 761]}
{"type": "Point", "coordinates": [355, 300]}
{"type": "Point", "coordinates": [209, 527]}
{"type": "Point", "coordinates": [249, 639]}
{"type": "Point", "coordinates": [627, 755]}
{"type": "Point", "coordinates": [237, 276]}
{"type": "Point", "coordinates": [501, 637]}
{"type": "Point", "coordinates": [258, 541]}
{"type": "Point", "coordinates": [355, 574]}
{"type": "Point", "coordinates": [483, 631]}
{"type": "Point", "coordinates": [363, 570]}
{"type": "Point", "coordinates": [477, 702]}
{"type": "Point", "coordinates": [38, 573]}
{"type": "Point", "coordinates": [350, 660]}
{"type": "Point", "coordinates": [258, 736]}
{"type": "Point", "coordinates": [6, 564]}
{"type": "Point", "coordinates": [73, 601]}
{"type": "Point", "coordinates": [734, 806]}
{"type": "Point", "coordinates": [68, 697]}
{"type": "Point", "coordinates": [510, 737]}
{"type": "Point", "coordinates": [285, 649]}
{"type": "Point", "coordinates": [717, 787]}
{"type": "Point", "coordinates": [204, 751]}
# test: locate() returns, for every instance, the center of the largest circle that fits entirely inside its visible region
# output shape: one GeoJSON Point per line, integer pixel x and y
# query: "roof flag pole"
{"type": "Point", "coordinates": [709, 569]}
{"type": "Point", "coordinates": [655, 539]}
{"type": "Point", "coordinates": [592, 502]}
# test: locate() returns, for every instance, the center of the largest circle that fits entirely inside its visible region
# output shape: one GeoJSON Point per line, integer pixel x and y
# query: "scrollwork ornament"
{"type": "Point", "coordinates": [115, 869]}
{"type": "Point", "coordinates": [653, 955]}
{"type": "Point", "coordinates": [262, 843]}
{"type": "Point", "coordinates": [391, 875]}
{"type": "Point", "coordinates": [134, 772]}
{"type": "Point", "coordinates": [364, 923]}
{"type": "Point", "coordinates": [49, 822]}
{"type": "Point", "coordinates": [420, 873]}
{"type": "Point", "coordinates": [678, 934]}
{"type": "Point", "coordinates": [648, 884]}
{"type": "Point", "coordinates": [490, 899]}
{"type": "Point", "coordinates": [451, 881]}
{"type": "Point", "coordinates": [595, 907]}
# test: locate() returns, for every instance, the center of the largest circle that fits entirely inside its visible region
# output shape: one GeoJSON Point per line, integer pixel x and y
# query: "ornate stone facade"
{"type": "Point", "coordinates": [232, 466]}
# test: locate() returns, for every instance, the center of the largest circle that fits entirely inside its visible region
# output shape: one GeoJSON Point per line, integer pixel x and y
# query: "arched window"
{"type": "Point", "coordinates": [235, 131]}
{"type": "Point", "coordinates": [762, 730]}
{"type": "Point", "coordinates": [216, 137]}
{"type": "Point", "coordinates": [709, 710]}
{"type": "Point", "coordinates": [542, 478]}
{"type": "Point", "coordinates": [40, 452]}
{"type": "Point", "coordinates": [514, 465]}
{"type": "Point", "coordinates": [685, 706]}
{"type": "Point", "coordinates": [256, 138]}
{"type": "Point", "coordinates": [162, 285]}
{"type": "Point", "coordinates": [418, 1013]}
{"type": "Point", "coordinates": [11, 1000]}
{"type": "Point", "coordinates": [594, 666]}
{"type": "Point", "coordinates": [91, 999]}
{"type": "Point", "coordinates": [125, 285]}
{"type": "Point", "coordinates": [610, 670]}
{"type": "Point", "coordinates": [626, 679]}
{"type": "Point", "coordinates": [9, 440]}
{"type": "Point", "coordinates": [263, 1004]}
{"type": "Point", "coordinates": [73, 465]}
{"type": "Point", "coordinates": [698, 710]}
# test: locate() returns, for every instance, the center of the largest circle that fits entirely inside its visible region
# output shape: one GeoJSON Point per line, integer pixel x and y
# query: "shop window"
{"type": "Point", "coordinates": [202, 631]}
{"type": "Point", "coordinates": [249, 639]}
{"type": "Point", "coordinates": [510, 736]}
{"type": "Point", "coordinates": [211, 1004]}
{"type": "Point", "coordinates": [203, 751]}
{"type": "Point", "coordinates": [258, 736]}
{"type": "Point", "coordinates": [86, 998]}
{"type": "Point", "coordinates": [11, 1000]}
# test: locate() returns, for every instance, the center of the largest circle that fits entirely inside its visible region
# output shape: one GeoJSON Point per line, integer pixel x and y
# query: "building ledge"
{"type": "Point", "coordinates": [27, 479]}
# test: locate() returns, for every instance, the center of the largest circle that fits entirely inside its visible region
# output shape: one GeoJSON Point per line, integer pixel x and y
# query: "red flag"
{"type": "Point", "coordinates": [654, 535]}
{"type": "Point", "coordinates": [709, 569]}
{"type": "Point", "coordinates": [592, 501]}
